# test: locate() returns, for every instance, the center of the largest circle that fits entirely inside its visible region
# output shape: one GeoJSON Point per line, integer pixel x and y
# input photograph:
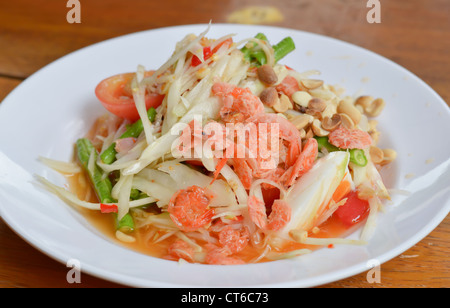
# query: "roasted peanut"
{"type": "Point", "coordinates": [302, 133]}
{"type": "Point", "coordinates": [283, 104]}
{"type": "Point", "coordinates": [376, 154]}
{"type": "Point", "coordinates": [364, 101]}
{"type": "Point", "coordinates": [301, 121]}
{"type": "Point", "coordinates": [312, 83]}
{"type": "Point", "coordinates": [375, 135]}
{"type": "Point", "coordinates": [349, 109]}
{"type": "Point", "coordinates": [316, 126]}
{"type": "Point", "coordinates": [322, 93]}
{"type": "Point", "coordinates": [309, 134]}
{"type": "Point", "coordinates": [269, 96]}
{"type": "Point", "coordinates": [389, 156]}
{"type": "Point", "coordinates": [266, 74]}
{"type": "Point", "coordinates": [346, 121]}
{"type": "Point", "coordinates": [301, 98]}
{"type": "Point", "coordinates": [375, 108]}
{"type": "Point", "coordinates": [331, 123]}
{"type": "Point", "coordinates": [317, 104]}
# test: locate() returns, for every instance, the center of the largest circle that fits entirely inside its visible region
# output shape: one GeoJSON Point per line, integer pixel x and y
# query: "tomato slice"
{"type": "Point", "coordinates": [115, 95]}
{"type": "Point", "coordinates": [354, 210]}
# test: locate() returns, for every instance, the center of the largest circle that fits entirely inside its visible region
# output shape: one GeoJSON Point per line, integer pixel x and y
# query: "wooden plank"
{"type": "Point", "coordinates": [7, 84]}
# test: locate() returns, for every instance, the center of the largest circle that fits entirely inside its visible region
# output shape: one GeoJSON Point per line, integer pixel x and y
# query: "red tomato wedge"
{"type": "Point", "coordinates": [354, 210]}
{"type": "Point", "coordinates": [115, 95]}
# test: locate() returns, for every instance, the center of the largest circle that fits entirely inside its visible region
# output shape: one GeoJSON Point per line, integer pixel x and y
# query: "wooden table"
{"type": "Point", "coordinates": [413, 33]}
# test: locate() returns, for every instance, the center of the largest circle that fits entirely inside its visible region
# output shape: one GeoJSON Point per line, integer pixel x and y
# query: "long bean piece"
{"type": "Point", "coordinates": [102, 185]}
{"type": "Point", "coordinates": [108, 156]}
{"type": "Point", "coordinates": [254, 54]}
{"type": "Point", "coordinates": [87, 155]}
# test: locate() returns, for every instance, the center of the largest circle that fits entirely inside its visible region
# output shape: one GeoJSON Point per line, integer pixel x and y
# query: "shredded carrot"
{"type": "Point", "coordinates": [341, 191]}
{"type": "Point", "coordinates": [219, 167]}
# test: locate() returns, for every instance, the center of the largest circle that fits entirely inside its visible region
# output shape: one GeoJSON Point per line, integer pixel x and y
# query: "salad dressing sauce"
{"type": "Point", "coordinates": [79, 185]}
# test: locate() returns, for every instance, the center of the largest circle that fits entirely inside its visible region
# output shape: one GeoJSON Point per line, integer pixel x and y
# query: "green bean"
{"type": "Point", "coordinates": [358, 157]}
{"type": "Point", "coordinates": [248, 49]}
{"type": "Point", "coordinates": [284, 47]}
{"type": "Point", "coordinates": [258, 56]}
{"type": "Point", "coordinates": [108, 156]}
{"type": "Point", "coordinates": [135, 194]}
{"type": "Point", "coordinates": [101, 183]}
{"type": "Point", "coordinates": [126, 224]}
{"type": "Point", "coordinates": [323, 143]}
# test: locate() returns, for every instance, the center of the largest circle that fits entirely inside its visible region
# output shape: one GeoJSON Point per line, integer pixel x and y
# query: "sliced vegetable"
{"type": "Point", "coordinates": [283, 48]}
{"type": "Point", "coordinates": [135, 194]}
{"type": "Point", "coordinates": [310, 196]}
{"type": "Point", "coordinates": [126, 224]}
{"type": "Point", "coordinates": [108, 156]}
{"type": "Point", "coordinates": [358, 157]}
{"type": "Point", "coordinates": [323, 143]}
{"type": "Point", "coordinates": [254, 54]}
{"type": "Point", "coordinates": [250, 47]}
{"type": "Point", "coordinates": [116, 96]}
{"type": "Point", "coordinates": [101, 183]}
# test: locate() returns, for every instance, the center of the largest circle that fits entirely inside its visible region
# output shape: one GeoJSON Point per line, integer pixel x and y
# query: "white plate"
{"type": "Point", "coordinates": [51, 109]}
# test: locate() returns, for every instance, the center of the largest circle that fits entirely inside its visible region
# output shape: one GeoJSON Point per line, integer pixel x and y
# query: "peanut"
{"type": "Point", "coordinates": [364, 101]}
{"type": "Point", "coordinates": [301, 98]}
{"type": "Point", "coordinates": [301, 121]}
{"type": "Point", "coordinates": [375, 108]}
{"type": "Point", "coordinates": [331, 123]}
{"type": "Point", "coordinates": [389, 156]}
{"type": "Point", "coordinates": [316, 126]}
{"type": "Point", "coordinates": [269, 96]}
{"type": "Point", "coordinates": [283, 104]}
{"type": "Point", "coordinates": [312, 83]}
{"type": "Point", "coordinates": [346, 121]}
{"type": "Point", "coordinates": [317, 104]}
{"type": "Point", "coordinates": [376, 154]}
{"type": "Point", "coordinates": [267, 75]}
{"type": "Point", "coordinates": [349, 109]}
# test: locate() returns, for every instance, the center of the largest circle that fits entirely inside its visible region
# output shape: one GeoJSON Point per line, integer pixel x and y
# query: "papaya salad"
{"type": "Point", "coordinates": [224, 155]}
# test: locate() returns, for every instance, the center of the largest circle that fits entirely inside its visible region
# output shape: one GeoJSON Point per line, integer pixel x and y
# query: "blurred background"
{"type": "Point", "coordinates": [413, 33]}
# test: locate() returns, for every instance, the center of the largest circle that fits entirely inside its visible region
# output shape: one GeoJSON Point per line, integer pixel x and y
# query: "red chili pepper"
{"type": "Point", "coordinates": [206, 55]}
{"type": "Point", "coordinates": [108, 208]}
{"type": "Point", "coordinates": [207, 52]}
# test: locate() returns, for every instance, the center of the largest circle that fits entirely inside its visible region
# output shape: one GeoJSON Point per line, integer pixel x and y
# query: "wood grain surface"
{"type": "Point", "coordinates": [413, 33]}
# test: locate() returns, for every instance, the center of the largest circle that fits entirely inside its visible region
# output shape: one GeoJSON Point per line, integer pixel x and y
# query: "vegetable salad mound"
{"type": "Point", "coordinates": [225, 155]}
